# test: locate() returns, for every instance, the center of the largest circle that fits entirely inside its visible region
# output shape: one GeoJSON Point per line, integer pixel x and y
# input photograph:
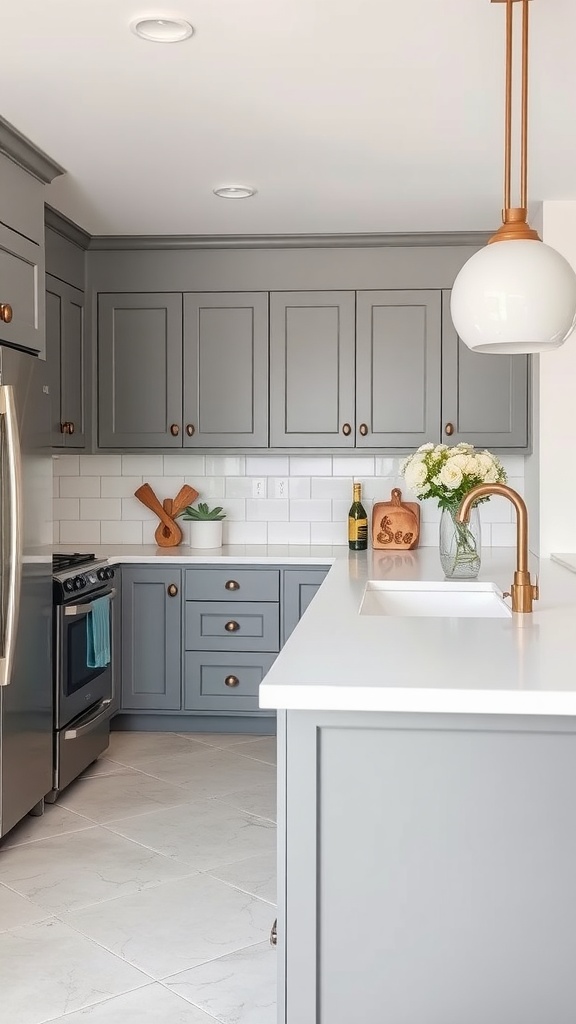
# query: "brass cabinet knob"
{"type": "Point", "coordinates": [190, 429]}
{"type": "Point", "coordinates": [449, 429]}
{"type": "Point", "coordinates": [231, 681]}
{"type": "Point", "coordinates": [65, 427]}
{"type": "Point", "coordinates": [346, 430]}
{"type": "Point", "coordinates": [274, 933]}
{"type": "Point", "coordinates": [71, 427]}
{"type": "Point", "coordinates": [6, 312]}
{"type": "Point", "coordinates": [232, 585]}
{"type": "Point", "coordinates": [174, 430]}
{"type": "Point", "coordinates": [363, 429]}
{"type": "Point", "coordinates": [232, 627]}
{"type": "Point", "coordinates": [172, 590]}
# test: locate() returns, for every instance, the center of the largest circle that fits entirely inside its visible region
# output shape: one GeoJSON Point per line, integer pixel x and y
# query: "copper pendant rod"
{"type": "Point", "coordinates": [508, 114]}
{"type": "Point", "coordinates": [524, 130]}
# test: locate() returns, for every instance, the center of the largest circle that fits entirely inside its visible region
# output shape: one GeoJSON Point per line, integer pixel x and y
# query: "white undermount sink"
{"type": "Point", "coordinates": [463, 599]}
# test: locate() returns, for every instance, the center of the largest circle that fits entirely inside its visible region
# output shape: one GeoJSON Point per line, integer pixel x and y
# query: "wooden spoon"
{"type": "Point", "coordinates": [168, 534]}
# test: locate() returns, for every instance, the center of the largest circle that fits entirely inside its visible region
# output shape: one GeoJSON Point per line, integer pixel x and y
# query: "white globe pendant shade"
{"type": "Point", "coordinates": [512, 296]}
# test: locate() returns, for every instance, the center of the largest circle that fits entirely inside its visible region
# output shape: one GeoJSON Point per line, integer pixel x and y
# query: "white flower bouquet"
{"type": "Point", "coordinates": [447, 474]}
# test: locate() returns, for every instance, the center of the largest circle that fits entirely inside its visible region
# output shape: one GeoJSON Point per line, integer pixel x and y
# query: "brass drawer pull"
{"type": "Point", "coordinates": [6, 312]}
{"type": "Point", "coordinates": [274, 933]}
{"type": "Point", "coordinates": [172, 590]}
{"type": "Point", "coordinates": [232, 585]}
{"type": "Point", "coordinates": [231, 627]}
{"type": "Point", "coordinates": [346, 430]}
{"type": "Point", "coordinates": [190, 429]}
{"type": "Point", "coordinates": [65, 427]}
{"type": "Point", "coordinates": [231, 681]}
{"type": "Point", "coordinates": [449, 429]}
{"type": "Point", "coordinates": [174, 430]}
{"type": "Point", "coordinates": [363, 429]}
{"type": "Point", "coordinates": [71, 427]}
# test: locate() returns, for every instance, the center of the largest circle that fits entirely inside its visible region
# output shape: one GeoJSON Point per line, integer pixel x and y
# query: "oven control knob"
{"type": "Point", "coordinates": [69, 585]}
{"type": "Point", "coordinates": [109, 574]}
{"type": "Point", "coordinates": [79, 582]}
{"type": "Point", "coordinates": [101, 574]}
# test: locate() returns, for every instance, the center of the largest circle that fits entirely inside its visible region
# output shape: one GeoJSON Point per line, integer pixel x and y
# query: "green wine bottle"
{"type": "Point", "coordinates": [357, 522]}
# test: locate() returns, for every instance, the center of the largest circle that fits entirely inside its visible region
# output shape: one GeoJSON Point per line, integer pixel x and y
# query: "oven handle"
{"type": "Point", "coordinates": [14, 509]}
{"type": "Point", "coordinates": [83, 609]}
{"type": "Point", "coordinates": [90, 722]}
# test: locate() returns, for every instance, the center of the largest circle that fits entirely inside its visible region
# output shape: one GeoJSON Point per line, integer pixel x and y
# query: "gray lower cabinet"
{"type": "Point", "coordinates": [65, 355]}
{"type": "Point", "coordinates": [151, 638]}
{"type": "Point", "coordinates": [117, 642]}
{"type": "Point", "coordinates": [485, 399]}
{"type": "Point", "coordinates": [223, 680]}
{"type": "Point", "coordinates": [299, 587]}
{"type": "Point", "coordinates": [426, 868]}
{"type": "Point", "coordinates": [140, 370]}
{"type": "Point", "coordinates": [226, 370]}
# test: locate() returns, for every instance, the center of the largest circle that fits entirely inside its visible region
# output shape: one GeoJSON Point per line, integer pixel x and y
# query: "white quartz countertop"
{"type": "Point", "coordinates": [251, 554]}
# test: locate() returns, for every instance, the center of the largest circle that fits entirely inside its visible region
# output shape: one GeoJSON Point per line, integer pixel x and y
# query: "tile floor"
{"type": "Point", "coordinates": [146, 894]}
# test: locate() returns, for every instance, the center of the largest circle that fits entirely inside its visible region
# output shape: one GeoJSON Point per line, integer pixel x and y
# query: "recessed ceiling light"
{"type": "Point", "coordinates": [162, 30]}
{"type": "Point", "coordinates": [234, 191]}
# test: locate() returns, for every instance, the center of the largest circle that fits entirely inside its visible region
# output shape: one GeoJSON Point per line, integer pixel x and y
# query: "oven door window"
{"type": "Point", "coordinates": [77, 673]}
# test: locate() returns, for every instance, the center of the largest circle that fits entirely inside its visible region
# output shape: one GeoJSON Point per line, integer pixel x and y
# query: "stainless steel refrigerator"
{"type": "Point", "coordinates": [25, 587]}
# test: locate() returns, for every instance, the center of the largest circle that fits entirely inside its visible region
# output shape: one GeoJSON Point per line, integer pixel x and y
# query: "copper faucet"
{"type": "Point", "coordinates": [522, 591]}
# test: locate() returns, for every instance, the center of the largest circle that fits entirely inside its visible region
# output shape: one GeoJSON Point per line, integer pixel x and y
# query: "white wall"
{"type": "Point", "coordinates": [304, 500]}
{"type": "Point", "coordinates": [557, 408]}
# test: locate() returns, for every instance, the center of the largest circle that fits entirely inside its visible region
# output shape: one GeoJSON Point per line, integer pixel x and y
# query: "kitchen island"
{"type": "Point", "coordinates": [427, 777]}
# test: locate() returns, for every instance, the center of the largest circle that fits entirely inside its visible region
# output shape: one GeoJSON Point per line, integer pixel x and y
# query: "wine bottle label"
{"type": "Point", "coordinates": [357, 529]}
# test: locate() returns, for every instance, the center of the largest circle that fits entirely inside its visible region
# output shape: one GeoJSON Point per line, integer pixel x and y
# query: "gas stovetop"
{"type": "Point", "coordinates": [75, 573]}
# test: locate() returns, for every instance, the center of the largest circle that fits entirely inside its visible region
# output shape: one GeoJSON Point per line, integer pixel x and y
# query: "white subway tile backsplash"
{"type": "Point", "coordinates": [225, 465]}
{"type": "Point", "coordinates": [245, 533]}
{"type": "Point", "coordinates": [288, 533]}
{"type": "Point", "coordinates": [55, 486]}
{"type": "Point", "coordinates": [238, 487]}
{"type": "Point", "coordinates": [328, 533]}
{"type": "Point", "coordinates": [355, 465]}
{"type": "Point", "coordinates": [121, 533]}
{"type": "Point", "coordinates": [142, 465]}
{"type": "Point", "coordinates": [66, 508]}
{"type": "Point", "coordinates": [55, 532]}
{"type": "Point", "coordinates": [429, 535]}
{"type": "Point", "coordinates": [267, 509]}
{"type": "Point", "coordinates": [80, 532]}
{"type": "Point", "coordinates": [100, 508]}
{"type": "Point", "coordinates": [184, 464]}
{"type": "Point", "coordinates": [340, 509]}
{"type": "Point", "coordinates": [332, 487]}
{"type": "Point", "coordinates": [497, 510]}
{"type": "Point", "coordinates": [66, 465]}
{"type": "Point", "coordinates": [310, 465]}
{"type": "Point", "coordinates": [503, 535]}
{"type": "Point", "coordinates": [209, 487]}
{"type": "Point", "coordinates": [387, 467]}
{"type": "Point", "coordinates": [119, 486]}
{"type": "Point", "coordinates": [299, 486]}
{"type": "Point", "coordinates": [311, 511]}
{"type": "Point", "coordinates": [235, 509]}
{"type": "Point", "coordinates": [267, 465]}
{"type": "Point", "coordinates": [148, 528]}
{"type": "Point", "coordinates": [133, 509]}
{"type": "Point", "coordinates": [100, 465]}
{"type": "Point", "coordinates": [166, 486]}
{"type": "Point", "coordinates": [79, 486]}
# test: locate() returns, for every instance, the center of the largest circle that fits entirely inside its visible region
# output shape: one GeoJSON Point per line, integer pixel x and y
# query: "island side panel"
{"type": "Point", "coordinates": [430, 869]}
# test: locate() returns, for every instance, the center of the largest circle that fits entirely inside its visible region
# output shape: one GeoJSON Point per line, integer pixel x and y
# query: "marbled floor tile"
{"type": "Point", "coordinates": [255, 875]}
{"type": "Point", "coordinates": [104, 766]}
{"type": "Point", "coordinates": [107, 797]}
{"type": "Point", "coordinates": [258, 800]}
{"type": "Point", "coordinates": [222, 740]}
{"type": "Point", "coordinates": [55, 821]}
{"type": "Point", "coordinates": [153, 1004]}
{"type": "Point", "coordinates": [176, 926]}
{"type": "Point", "coordinates": [15, 911]}
{"type": "Point", "coordinates": [211, 773]}
{"type": "Point", "coordinates": [131, 748]}
{"type": "Point", "coordinates": [48, 969]}
{"type": "Point", "coordinates": [237, 989]}
{"type": "Point", "coordinates": [263, 749]}
{"type": "Point", "coordinates": [73, 871]}
{"type": "Point", "coordinates": [203, 834]}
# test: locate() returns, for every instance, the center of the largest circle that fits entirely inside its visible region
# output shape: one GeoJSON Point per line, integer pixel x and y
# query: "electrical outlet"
{"type": "Point", "coordinates": [280, 487]}
{"type": "Point", "coordinates": [259, 487]}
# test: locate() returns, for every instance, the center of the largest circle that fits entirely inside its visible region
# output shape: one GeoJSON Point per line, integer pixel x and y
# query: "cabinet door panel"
{"type": "Point", "coordinates": [300, 586]}
{"type": "Point", "coordinates": [312, 369]}
{"type": "Point", "coordinates": [484, 397]}
{"type": "Point", "coordinates": [65, 355]}
{"type": "Point", "coordinates": [252, 626]}
{"type": "Point", "coordinates": [22, 287]}
{"type": "Point", "coordinates": [151, 639]}
{"type": "Point", "coordinates": [205, 686]}
{"type": "Point", "coordinates": [398, 354]}
{"type": "Point", "coordinates": [140, 370]}
{"type": "Point", "coordinates": [226, 369]}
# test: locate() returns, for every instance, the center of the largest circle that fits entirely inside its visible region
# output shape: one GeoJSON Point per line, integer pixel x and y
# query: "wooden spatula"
{"type": "Point", "coordinates": [168, 534]}
{"type": "Point", "coordinates": [174, 506]}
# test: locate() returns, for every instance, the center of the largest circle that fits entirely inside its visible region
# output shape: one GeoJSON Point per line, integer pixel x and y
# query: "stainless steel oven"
{"type": "Point", "coordinates": [82, 691]}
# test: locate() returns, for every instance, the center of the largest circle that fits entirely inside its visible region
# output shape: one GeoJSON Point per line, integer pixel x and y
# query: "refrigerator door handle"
{"type": "Point", "coordinates": [12, 528]}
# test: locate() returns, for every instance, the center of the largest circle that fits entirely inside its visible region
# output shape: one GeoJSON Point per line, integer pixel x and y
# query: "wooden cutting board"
{"type": "Point", "coordinates": [395, 523]}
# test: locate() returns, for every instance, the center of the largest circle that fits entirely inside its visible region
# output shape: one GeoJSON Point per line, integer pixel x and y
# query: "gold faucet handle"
{"type": "Point", "coordinates": [536, 590]}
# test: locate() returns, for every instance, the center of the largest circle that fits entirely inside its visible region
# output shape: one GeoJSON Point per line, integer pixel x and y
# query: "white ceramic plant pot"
{"type": "Point", "coordinates": [205, 533]}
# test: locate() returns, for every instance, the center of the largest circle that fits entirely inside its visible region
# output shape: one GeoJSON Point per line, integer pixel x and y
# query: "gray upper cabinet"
{"type": "Point", "coordinates": [140, 370]}
{"type": "Point", "coordinates": [22, 290]}
{"type": "Point", "coordinates": [398, 368]}
{"type": "Point", "coordinates": [485, 399]}
{"type": "Point", "coordinates": [151, 638]}
{"type": "Point", "coordinates": [312, 369]}
{"type": "Point", "coordinates": [226, 370]}
{"type": "Point", "coordinates": [65, 356]}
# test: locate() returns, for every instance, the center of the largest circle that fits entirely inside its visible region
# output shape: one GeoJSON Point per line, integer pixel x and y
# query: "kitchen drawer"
{"type": "Point", "coordinates": [22, 287]}
{"type": "Point", "coordinates": [206, 675]}
{"type": "Point", "coordinates": [232, 584]}
{"type": "Point", "coordinates": [253, 626]}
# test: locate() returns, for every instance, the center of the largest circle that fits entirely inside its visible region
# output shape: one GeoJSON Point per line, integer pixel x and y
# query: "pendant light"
{"type": "Point", "coordinates": [516, 294]}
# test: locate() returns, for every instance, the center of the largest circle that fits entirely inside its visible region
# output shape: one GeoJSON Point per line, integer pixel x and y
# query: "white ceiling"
{"type": "Point", "coordinates": [346, 115]}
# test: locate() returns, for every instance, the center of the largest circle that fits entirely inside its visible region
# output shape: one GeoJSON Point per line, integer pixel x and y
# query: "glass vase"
{"type": "Point", "coordinates": [460, 545]}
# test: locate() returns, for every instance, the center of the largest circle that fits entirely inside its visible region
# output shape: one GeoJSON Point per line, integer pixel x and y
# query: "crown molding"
{"type": "Point", "coordinates": [325, 241]}
{"type": "Point", "coordinates": [64, 226]}
{"type": "Point", "coordinates": [19, 149]}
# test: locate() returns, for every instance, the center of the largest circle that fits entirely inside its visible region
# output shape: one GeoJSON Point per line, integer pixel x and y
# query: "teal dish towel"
{"type": "Point", "coordinates": [98, 633]}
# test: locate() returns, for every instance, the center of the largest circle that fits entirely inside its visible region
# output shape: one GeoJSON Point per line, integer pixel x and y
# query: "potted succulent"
{"type": "Point", "coordinates": [205, 525]}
